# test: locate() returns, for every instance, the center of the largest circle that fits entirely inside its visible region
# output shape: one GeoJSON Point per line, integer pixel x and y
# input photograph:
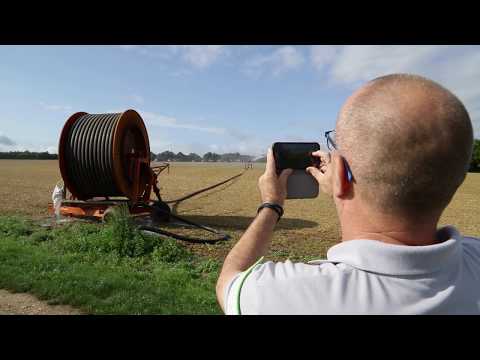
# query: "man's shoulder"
{"type": "Point", "coordinates": [471, 245]}
{"type": "Point", "coordinates": [285, 270]}
{"type": "Point", "coordinates": [275, 286]}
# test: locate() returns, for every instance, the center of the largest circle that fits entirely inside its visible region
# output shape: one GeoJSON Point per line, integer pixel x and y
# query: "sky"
{"type": "Point", "coordinates": [200, 98]}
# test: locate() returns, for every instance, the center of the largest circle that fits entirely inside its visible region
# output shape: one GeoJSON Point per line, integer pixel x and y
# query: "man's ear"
{"type": "Point", "coordinates": [341, 185]}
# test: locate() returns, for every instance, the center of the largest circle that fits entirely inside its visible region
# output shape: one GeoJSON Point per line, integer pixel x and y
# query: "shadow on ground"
{"type": "Point", "coordinates": [242, 222]}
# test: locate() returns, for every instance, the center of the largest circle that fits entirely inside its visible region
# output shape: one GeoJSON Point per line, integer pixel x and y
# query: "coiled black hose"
{"type": "Point", "coordinates": [89, 156]}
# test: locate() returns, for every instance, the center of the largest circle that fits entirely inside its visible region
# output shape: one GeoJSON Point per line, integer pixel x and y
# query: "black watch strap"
{"type": "Point", "coordinates": [277, 208]}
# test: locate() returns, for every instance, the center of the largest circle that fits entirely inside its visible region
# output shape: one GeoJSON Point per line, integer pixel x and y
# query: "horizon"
{"type": "Point", "coordinates": [156, 154]}
{"type": "Point", "coordinates": [210, 98]}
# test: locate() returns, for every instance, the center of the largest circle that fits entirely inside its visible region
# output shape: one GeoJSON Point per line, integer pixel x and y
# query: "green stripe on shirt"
{"type": "Point", "coordinates": [242, 280]}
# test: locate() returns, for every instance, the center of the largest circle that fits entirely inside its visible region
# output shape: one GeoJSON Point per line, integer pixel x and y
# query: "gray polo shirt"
{"type": "Point", "coordinates": [366, 277]}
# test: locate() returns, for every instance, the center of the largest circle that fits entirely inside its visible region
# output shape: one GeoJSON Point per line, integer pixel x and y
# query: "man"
{"type": "Point", "coordinates": [402, 148]}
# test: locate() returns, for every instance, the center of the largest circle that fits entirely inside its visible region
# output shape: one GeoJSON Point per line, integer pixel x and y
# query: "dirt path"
{"type": "Point", "coordinates": [26, 304]}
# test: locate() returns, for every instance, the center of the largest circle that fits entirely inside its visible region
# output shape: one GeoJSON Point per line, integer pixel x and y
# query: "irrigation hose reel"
{"type": "Point", "coordinates": [104, 161]}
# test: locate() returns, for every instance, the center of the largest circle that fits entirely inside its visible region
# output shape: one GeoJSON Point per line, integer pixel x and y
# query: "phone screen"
{"type": "Point", "coordinates": [290, 155]}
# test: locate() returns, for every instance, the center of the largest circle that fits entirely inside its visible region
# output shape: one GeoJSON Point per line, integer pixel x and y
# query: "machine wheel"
{"type": "Point", "coordinates": [160, 212]}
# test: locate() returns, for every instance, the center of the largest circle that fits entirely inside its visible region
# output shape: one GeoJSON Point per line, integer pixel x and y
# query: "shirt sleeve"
{"type": "Point", "coordinates": [234, 288]}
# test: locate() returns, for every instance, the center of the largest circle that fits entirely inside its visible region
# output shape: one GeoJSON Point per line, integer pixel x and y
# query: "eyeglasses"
{"type": "Point", "coordinates": [330, 136]}
{"type": "Point", "coordinates": [332, 145]}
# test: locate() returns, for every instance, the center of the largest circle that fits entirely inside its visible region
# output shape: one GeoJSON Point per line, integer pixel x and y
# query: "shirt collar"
{"type": "Point", "coordinates": [379, 257]}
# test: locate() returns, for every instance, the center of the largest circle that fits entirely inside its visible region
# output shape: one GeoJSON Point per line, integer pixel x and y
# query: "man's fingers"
{"type": "Point", "coordinates": [284, 176]}
{"type": "Point", "coordinates": [323, 155]}
{"type": "Point", "coordinates": [270, 167]}
{"type": "Point", "coordinates": [316, 173]}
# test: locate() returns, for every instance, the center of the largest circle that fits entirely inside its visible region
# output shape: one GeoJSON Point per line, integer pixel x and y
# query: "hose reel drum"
{"type": "Point", "coordinates": [105, 155]}
{"type": "Point", "coordinates": [104, 161]}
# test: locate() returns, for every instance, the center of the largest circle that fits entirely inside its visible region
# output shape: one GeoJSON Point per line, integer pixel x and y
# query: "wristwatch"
{"type": "Point", "coordinates": [277, 208]}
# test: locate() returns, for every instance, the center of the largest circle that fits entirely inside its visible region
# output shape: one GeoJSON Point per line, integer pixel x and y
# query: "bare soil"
{"type": "Point", "coordinates": [26, 304]}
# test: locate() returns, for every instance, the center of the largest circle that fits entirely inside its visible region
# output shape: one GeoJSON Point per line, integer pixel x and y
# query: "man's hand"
{"type": "Point", "coordinates": [273, 188]}
{"type": "Point", "coordinates": [323, 173]}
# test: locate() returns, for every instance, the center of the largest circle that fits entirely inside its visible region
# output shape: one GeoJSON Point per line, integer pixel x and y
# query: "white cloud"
{"type": "Point", "coordinates": [364, 62]}
{"type": "Point", "coordinates": [158, 145]}
{"type": "Point", "coordinates": [52, 149]}
{"type": "Point", "coordinates": [200, 56]}
{"type": "Point", "coordinates": [279, 61]}
{"type": "Point", "coordinates": [229, 140]}
{"type": "Point", "coordinates": [455, 67]}
{"type": "Point", "coordinates": [232, 140]}
{"type": "Point", "coordinates": [322, 55]}
{"type": "Point", "coordinates": [153, 119]}
{"type": "Point", "coordinates": [50, 107]}
{"type": "Point", "coordinates": [197, 56]}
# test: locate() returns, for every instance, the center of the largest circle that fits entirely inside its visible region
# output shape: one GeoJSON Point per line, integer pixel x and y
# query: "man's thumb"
{"type": "Point", "coordinates": [284, 176]}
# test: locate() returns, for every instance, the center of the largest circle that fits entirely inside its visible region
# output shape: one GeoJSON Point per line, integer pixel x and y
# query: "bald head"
{"type": "Point", "coordinates": [408, 142]}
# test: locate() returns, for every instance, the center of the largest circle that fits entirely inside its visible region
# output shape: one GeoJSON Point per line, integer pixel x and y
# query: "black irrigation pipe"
{"type": "Point", "coordinates": [188, 238]}
{"type": "Point", "coordinates": [204, 189]}
{"type": "Point", "coordinates": [222, 236]}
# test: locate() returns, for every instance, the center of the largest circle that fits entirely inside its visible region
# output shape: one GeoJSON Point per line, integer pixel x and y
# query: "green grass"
{"type": "Point", "coordinates": [105, 269]}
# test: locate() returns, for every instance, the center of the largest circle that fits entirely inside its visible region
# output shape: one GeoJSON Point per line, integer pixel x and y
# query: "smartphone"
{"type": "Point", "coordinates": [297, 156]}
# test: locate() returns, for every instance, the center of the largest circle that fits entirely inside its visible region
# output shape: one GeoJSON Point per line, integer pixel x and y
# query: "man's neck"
{"type": "Point", "coordinates": [388, 229]}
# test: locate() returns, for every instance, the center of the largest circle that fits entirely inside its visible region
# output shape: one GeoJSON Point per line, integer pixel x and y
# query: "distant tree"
{"type": "Point", "coordinates": [170, 156]}
{"type": "Point", "coordinates": [27, 155]}
{"type": "Point", "coordinates": [166, 156]}
{"type": "Point", "coordinates": [194, 157]}
{"type": "Point", "coordinates": [181, 157]}
{"type": "Point", "coordinates": [207, 156]}
{"type": "Point", "coordinates": [211, 157]}
{"type": "Point", "coordinates": [229, 157]}
{"type": "Point", "coordinates": [246, 158]}
{"type": "Point", "coordinates": [475, 163]}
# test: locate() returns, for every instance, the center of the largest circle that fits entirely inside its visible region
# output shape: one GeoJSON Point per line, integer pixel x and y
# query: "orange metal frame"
{"type": "Point", "coordinates": [92, 210]}
{"type": "Point", "coordinates": [97, 207]}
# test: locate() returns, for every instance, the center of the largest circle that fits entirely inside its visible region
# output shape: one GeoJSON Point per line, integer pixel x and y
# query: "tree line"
{"type": "Point", "coordinates": [208, 157]}
{"type": "Point", "coordinates": [192, 157]}
{"type": "Point", "coordinates": [237, 157]}
{"type": "Point", "coordinates": [27, 155]}
{"type": "Point", "coordinates": [163, 156]}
